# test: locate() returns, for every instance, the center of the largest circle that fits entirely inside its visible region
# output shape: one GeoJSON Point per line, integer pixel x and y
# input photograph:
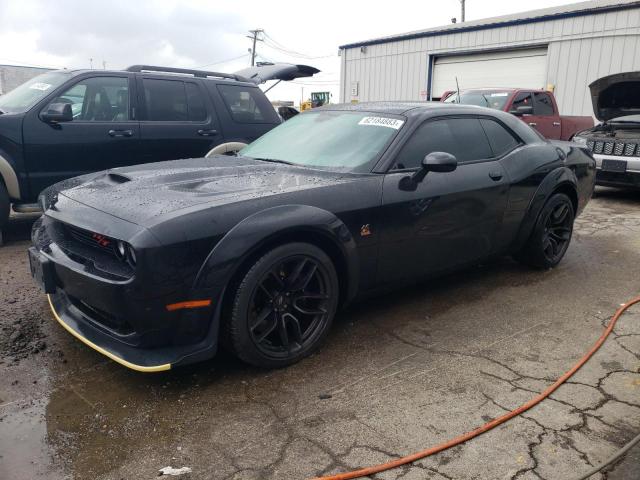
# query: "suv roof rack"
{"type": "Point", "coordinates": [183, 71]}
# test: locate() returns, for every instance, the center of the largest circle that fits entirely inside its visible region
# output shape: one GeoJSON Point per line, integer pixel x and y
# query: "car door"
{"type": "Point", "coordinates": [451, 218]}
{"type": "Point", "coordinates": [177, 119]}
{"type": "Point", "coordinates": [103, 133]}
{"type": "Point", "coordinates": [545, 116]}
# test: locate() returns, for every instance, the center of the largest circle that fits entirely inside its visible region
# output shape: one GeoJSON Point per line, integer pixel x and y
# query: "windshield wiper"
{"type": "Point", "coordinates": [273, 160]}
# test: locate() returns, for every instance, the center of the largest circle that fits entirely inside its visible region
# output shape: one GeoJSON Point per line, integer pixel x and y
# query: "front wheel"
{"type": "Point", "coordinates": [284, 306]}
{"type": "Point", "coordinates": [551, 235]}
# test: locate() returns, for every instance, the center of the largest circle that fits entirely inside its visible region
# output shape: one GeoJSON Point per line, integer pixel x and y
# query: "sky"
{"type": "Point", "coordinates": [212, 35]}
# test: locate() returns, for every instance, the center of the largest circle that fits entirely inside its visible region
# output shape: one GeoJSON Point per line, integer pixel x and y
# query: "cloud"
{"type": "Point", "coordinates": [124, 32]}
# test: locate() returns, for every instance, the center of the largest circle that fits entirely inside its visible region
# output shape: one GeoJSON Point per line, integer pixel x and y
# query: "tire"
{"type": "Point", "coordinates": [5, 206]}
{"type": "Point", "coordinates": [283, 307]}
{"type": "Point", "coordinates": [551, 235]}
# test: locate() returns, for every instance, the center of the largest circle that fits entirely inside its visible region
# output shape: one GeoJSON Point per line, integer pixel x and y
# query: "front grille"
{"type": "Point", "coordinates": [95, 240]}
{"type": "Point", "coordinates": [620, 149]}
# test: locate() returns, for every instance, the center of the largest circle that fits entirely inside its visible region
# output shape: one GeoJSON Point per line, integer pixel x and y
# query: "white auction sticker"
{"type": "Point", "coordinates": [382, 122]}
{"type": "Point", "coordinates": [499, 94]}
{"type": "Point", "coordinates": [40, 86]}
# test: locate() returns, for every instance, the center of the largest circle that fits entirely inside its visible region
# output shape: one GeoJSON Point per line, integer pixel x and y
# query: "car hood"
{"type": "Point", "coordinates": [264, 72]}
{"type": "Point", "coordinates": [145, 194]}
{"type": "Point", "coordinates": [616, 95]}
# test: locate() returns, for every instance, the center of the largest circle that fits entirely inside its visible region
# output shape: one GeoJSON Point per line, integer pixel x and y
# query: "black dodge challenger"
{"type": "Point", "coordinates": [156, 265]}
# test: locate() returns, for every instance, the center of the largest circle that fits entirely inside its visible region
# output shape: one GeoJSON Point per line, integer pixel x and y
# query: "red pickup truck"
{"type": "Point", "coordinates": [538, 108]}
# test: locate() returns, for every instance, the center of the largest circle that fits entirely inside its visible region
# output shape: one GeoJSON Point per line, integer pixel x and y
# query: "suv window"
{"type": "Point", "coordinates": [166, 100]}
{"type": "Point", "coordinates": [98, 99]}
{"type": "Point", "coordinates": [522, 99]}
{"type": "Point", "coordinates": [195, 101]}
{"type": "Point", "coordinates": [543, 105]}
{"type": "Point", "coordinates": [247, 104]}
{"type": "Point", "coordinates": [500, 139]}
{"type": "Point", "coordinates": [462, 137]}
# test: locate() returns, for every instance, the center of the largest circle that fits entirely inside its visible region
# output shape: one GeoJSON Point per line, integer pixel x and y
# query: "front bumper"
{"type": "Point", "coordinates": [627, 179]}
{"type": "Point", "coordinates": [127, 320]}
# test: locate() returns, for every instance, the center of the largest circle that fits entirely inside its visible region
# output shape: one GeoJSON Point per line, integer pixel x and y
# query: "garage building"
{"type": "Point", "coordinates": [561, 49]}
{"type": "Point", "coordinates": [13, 75]}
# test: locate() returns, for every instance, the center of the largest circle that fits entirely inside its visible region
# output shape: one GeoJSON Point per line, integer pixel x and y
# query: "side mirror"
{"type": "Point", "coordinates": [57, 112]}
{"type": "Point", "coordinates": [521, 110]}
{"type": "Point", "coordinates": [441, 162]}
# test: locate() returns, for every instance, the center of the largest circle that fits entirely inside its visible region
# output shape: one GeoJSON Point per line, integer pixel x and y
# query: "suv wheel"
{"type": "Point", "coordinates": [552, 234]}
{"type": "Point", "coordinates": [284, 306]}
{"type": "Point", "coordinates": [4, 206]}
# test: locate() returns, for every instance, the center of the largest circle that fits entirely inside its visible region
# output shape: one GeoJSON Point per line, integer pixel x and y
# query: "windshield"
{"type": "Point", "coordinates": [482, 98]}
{"type": "Point", "coordinates": [336, 140]}
{"type": "Point", "coordinates": [23, 97]}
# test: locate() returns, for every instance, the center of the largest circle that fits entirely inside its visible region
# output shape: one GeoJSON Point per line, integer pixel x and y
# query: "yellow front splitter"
{"type": "Point", "coordinates": [115, 358]}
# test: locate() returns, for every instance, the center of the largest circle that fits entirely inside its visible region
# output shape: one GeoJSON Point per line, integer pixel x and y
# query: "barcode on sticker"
{"type": "Point", "coordinates": [382, 122]}
{"type": "Point", "coordinates": [40, 86]}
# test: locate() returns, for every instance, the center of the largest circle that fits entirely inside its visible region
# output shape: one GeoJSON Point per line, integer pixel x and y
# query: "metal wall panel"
{"type": "Point", "coordinates": [580, 50]}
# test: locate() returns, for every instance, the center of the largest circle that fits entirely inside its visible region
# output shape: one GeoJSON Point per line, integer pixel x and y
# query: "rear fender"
{"type": "Point", "coordinates": [559, 178]}
{"type": "Point", "coordinates": [275, 225]}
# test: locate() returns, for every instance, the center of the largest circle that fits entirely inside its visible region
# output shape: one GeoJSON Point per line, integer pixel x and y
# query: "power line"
{"type": "Point", "coordinates": [273, 43]}
{"type": "Point", "coordinates": [224, 61]}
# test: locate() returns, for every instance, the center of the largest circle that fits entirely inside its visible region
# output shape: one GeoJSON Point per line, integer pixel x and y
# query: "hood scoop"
{"type": "Point", "coordinates": [117, 178]}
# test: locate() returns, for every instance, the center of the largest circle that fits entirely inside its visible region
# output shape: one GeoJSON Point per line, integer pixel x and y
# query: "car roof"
{"type": "Point", "coordinates": [158, 73]}
{"type": "Point", "coordinates": [405, 108]}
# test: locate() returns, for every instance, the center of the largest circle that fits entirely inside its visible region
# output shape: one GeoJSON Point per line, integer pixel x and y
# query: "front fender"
{"type": "Point", "coordinates": [555, 179]}
{"type": "Point", "coordinates": [273, 225]}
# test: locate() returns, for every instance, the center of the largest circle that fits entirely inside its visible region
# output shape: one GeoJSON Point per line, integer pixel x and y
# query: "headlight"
{"type": "Point", "coordinates": [131, 256]}
{"type": "Point", "coordinates": [121, 250]}
{"type": "Point", "coordinates": [580, 140]}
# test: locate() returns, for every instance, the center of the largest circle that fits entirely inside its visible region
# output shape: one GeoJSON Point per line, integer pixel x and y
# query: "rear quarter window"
{"type": "Point", "coordinates": [500, 139]}
{"type": "Point", "coordinates": [247, 104]}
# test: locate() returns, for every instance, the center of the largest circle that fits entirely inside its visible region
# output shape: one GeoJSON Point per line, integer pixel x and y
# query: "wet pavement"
{"type": "Point", "coordinates": [397, 374]}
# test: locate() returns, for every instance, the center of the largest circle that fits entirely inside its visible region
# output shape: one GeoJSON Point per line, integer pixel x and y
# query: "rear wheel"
{"type": "Point", "coordinates": [4, 206]}
{"type": "Point", "coordinates": [552, 234]}
{"type": "Point", "coordinates": [284, 306]}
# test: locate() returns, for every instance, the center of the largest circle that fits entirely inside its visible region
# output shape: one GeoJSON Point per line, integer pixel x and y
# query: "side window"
{"type": "Point", "coordinates": [247, 104]}
{"type": "Point", "coordinates": [98, 99]}
{"type": "Point", "coordinates": [462, 137]}
{"type": "Point", "coordinates": [166, 100]}
{"type": "Point", "coordinates": [195, 101]}
{"type": "Point", "coordinates": [500, 139]}
{"type": "Point", "coordinates": [523, 99]}
{"type": "Point", "coordinates": [543, 104]}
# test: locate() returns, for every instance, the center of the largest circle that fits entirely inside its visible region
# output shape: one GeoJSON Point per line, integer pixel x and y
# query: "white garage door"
{"type": "Point", "coordinates": [513, 68]}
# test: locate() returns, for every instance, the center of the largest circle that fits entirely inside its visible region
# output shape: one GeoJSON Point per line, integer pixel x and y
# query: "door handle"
{"type": "Point", "coordinates": [207, 133]}
{"type": "Point", "coordinates": [533, 124]}
{"type": "Point", "coordinates": [121, 133]}
{"type": "Point", "coordinates": [556, 124]}
{"type": "Point", "coordinates": [495, 175]}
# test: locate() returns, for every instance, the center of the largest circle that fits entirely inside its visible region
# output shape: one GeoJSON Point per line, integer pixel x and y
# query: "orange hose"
{"type": "Point", "coordinates": [493, 423]}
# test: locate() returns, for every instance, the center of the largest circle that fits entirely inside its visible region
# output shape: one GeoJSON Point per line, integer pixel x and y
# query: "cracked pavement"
{"type": "Point", "coordinates": [398, 374]}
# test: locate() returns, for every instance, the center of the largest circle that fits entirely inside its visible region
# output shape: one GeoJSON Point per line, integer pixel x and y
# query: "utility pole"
{"type": "Point", "coordinates": [462, 10]}
{"type": "Point", "coordinates": [254, 38]}
{"type": "Point", "coordinates": [91, 63]}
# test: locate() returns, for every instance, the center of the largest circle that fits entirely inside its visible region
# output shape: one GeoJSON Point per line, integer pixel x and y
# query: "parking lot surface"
{"type": "Point", "coordinates": [398, 374]}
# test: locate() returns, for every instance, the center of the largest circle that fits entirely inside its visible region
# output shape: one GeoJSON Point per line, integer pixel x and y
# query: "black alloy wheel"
{"type": "Point", "coordinates": [284, 306]}
{"type": "Point", "coordinates": [551, 235]}
{"type": "Point", "coordinates": [557, 232]}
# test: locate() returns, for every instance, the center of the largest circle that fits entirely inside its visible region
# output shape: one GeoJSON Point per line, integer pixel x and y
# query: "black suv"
{"type": "Point", "coordinates": [66, 123]}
